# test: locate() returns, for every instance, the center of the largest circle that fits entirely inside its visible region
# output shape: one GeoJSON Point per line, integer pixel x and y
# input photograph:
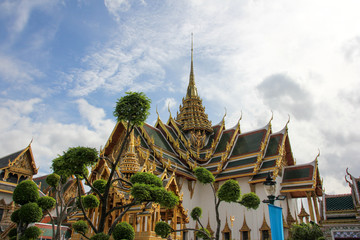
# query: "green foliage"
{"type": "Point", "coordinates": [75, 161]}
{"type": "Point", "coordinates": [229, 191]}
{"type": "Point", "coordinates": [162, 229]}
{"type": "Point", "coordinates": [146, 178]}
{"type": "Point", "coordinates": [91, 201]}
{"type": "Point", "coordinates": [123, 230]}
{"type": "Point", "coordinates": [15, 216]}
{"type": "Point", "coordinates": [100, 236]}
{"type": "Point", "coordinates": [203, 235]}
{"type": "Point", "coordinates": [141, 192]}
{"type": "Point", "coordinates": [144, 193]}
{"type": "Point", "coordinates": [32, 233]}
{"type": "Point", "coordinates": [196, 213]}
{"type": "Point", "coordinates": [80, 226]}
{"type": "Point", "coordinates": [30, 212]}
{"type": "Point", "coordinates": [133, 107]}
{"type": "Point", "coordinates": [53, 180]}
{"type": "Point", "coordinates": [12, 233]}
{"type": "Point", "coordinates": [46, 202]}
{"type": "Point", "coordinates": [204, 175]}
{"type": "Point", "coordinates": [100, 185]}
{"type": "Point", "coordinates": [303, 231]}
{"type": "Point", "coordinates": [250, 200]}
{"type": "Point", "coordinates": [26, 192]}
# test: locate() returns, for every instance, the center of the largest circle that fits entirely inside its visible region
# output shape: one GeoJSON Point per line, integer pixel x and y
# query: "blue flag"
{"type": "Point", "coordinates": [276, 223]}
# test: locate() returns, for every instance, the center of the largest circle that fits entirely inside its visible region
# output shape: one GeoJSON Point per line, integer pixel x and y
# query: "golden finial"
{"type": "Point", "coordinates": [224, 114]}
{"type": "Point", "coordinates": [288, 120]}
{"type": "Point", "coordinates": [169, 109]}
{"type": "Point", "coordinates": [232, 219]}
{"type": "Point", "coordinates": [157, 112]}
{"type": "Point", "coordinates": [318, 153]}
{"type": "Point", "coordinates": [272, 116]}
{"type": "Point", "coordinates": [31, 141]}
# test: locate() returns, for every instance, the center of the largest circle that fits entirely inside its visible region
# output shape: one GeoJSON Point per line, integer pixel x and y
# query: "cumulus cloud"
{"type": "Point", "coordinates": [282, 93]}
{"type": "Point", "coordinates": [50, 137]}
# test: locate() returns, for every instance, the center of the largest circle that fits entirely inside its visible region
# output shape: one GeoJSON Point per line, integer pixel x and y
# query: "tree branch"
{"type": "Point", "coordinates": [127, 207]}
{"type": "Point", "coordinates": [92, 187]}
{"type": "Point", "coordinates": [82, 208]}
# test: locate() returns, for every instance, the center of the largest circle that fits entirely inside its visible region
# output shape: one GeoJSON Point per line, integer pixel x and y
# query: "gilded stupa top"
{"type": "Point", "coordinates": [192, 115]}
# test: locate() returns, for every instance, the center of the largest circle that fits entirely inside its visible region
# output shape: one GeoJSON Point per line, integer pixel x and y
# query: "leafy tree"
{"type": "Point", "coordinates": [26, 194]}
{"type": "Point", "coordinates": [228, 192]}
{"type": "Point", "coordinates": [132, 109]}
{"type": "Point", "coordinates": [64, 207]}
{"type": "Point", "coordinates": [303, 231]}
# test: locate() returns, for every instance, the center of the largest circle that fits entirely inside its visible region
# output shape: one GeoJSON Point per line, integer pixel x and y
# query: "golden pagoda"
{"type": "Point", "coordinates": [192, 116]}
{"type": "Point", "coordinates": [130, 164]}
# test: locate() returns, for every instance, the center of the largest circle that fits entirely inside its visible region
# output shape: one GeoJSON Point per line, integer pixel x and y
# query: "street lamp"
{"type": "Point", "coordinates": [270, 189]}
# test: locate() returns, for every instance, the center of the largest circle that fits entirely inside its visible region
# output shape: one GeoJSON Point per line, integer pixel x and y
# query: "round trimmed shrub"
{"type": "Point", "coordinates": [250, 200]}
{"type": "Point", "coordinates": [146, 178]}
{"type": "Point", "coordinates": [25, 192]}
{"type": "Point", "coordinates": [80, 226]}
{"type": "Point", "coordinates": [30, 212]}
{"type": "Point", "coordinates": [32, 232]}
{"type": "Point", "coordinates": [100, 185]}
{"type": "Point", "coordinates": [162, 229]}
{"type": "Point", "coordinates": [169, 199]}
{"type": "Point", "coordinates": [196, 213]}
{"type": "Point", "coordinates": [123, 230]}
{"type": "Point", "coordinates": [15, 216]}
{"type": "Point", "coordinates": [53, 180]}
{"type": "Point", "coordinates": [46, 202]}
{"type": "Point", "coordinates": [91, 201]}
{"type": "Point", "coordinates": [141, 192]}
{"type": "Point", "coordinates": [204, 175]}
{"type": "Point", "coordinates": [229, 191]}
{"type": "Point", "coordinates": [100, 236]}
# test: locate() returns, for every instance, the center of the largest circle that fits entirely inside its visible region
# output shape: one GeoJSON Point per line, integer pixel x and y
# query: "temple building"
{"type": "Point", "coordinates": [172, 149]}
{"type": "Point", "coordinates": [341, 213]}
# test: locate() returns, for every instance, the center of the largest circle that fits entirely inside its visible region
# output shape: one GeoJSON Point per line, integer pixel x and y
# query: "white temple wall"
{"type": "Point", "coordinates": [203, 198]}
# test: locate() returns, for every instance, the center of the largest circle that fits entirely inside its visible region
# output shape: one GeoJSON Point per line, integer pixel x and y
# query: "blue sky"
{"type": "Point", "coordinates": [63, 65]}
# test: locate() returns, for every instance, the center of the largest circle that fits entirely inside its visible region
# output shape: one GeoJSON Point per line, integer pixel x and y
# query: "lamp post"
{"type": "Point", "coordinates": [270, 189]}
{"type": "Point", "coordinates": [275, 213]}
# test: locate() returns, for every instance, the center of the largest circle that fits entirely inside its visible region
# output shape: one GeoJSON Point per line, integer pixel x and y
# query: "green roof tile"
{"type": "Point", "coordinates": [241, 162]}
{"type": "Point", "coordinates": [225, 138]}
{"type": "Point", "coordinates": [342, 202]}
{"type": "Point", "coordinates": [298, 173]}
{"type": "Point", "coordinates": [248, 143]}
{"type": "Point", "coordinates": [159, 139]}
{"type": "Point", "coordinates": [233, 173]}
{"type": "Point", "coordinates": [268, 164]}
{"type": "Point", "coordinates": [272, 148]}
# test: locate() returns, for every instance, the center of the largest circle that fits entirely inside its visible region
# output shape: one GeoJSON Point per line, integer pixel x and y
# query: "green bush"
{"type": "Point", "coordinates": [25, 192]}
{"type": "Point", "coordinates": [250, 200]}
{"type": "Point", "coordinates": [30, 212]}
{"type": "Point", "coordinates": [204, 175]}
{"type": "Point", "coordinates": [196, 213]}
{"type": "Point", "coordinates": [229, 191]}
{"type": "Point", "coordinates": [46, 202]}
{"type": "Point", "coordinates": [91, 201]}
{"type": "Point", "coordinates": [162, 229]}
{"type": "Point", "coordinates": [123, 230]}
{"type": "Point", "coordinates": [133, 107]}
{"type": "Point", "coordinates": [303, 231]}
{"type": "Point", "coordinates": [142, 192]}
{"type": "Point", "coordinates": [146, 178]}
{"type": "Point", "coordinates": [15, 216]}
{"type": "Point", "coordinates": [100, 185]}
{"type": "Point", "coordinates": [100, 236]}
{"type": "Point", "coordinates": [169, 200]}
{"type": "Point", "coordinates": [32, 233]}
{"type": "Point", "coordinates": [53, 180]}
{"type": "Point", "coordinates": [80, 226]}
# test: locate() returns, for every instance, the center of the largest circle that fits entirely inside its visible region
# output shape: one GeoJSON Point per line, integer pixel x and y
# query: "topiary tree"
{"type": "Point", "coordinates": [228, 192]}
{"type": "Point", "coordinates": [64, 206]}
{"type": "Point", "coordinates": [26, 194]}
{"type": "Point", "coordinates": [306, 231]}
{"type": "Point", "coordinates": [132, 109]}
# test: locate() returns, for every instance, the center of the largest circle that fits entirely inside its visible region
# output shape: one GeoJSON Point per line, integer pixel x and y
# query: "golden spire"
{"type": "Point", "coordinates": [192, 116]}
{"type": "Point", "coordinates": [192, 90]}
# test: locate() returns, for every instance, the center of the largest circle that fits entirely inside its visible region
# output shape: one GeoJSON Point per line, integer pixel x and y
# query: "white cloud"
{"type": "Point", "coordinates": [50, 137]}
